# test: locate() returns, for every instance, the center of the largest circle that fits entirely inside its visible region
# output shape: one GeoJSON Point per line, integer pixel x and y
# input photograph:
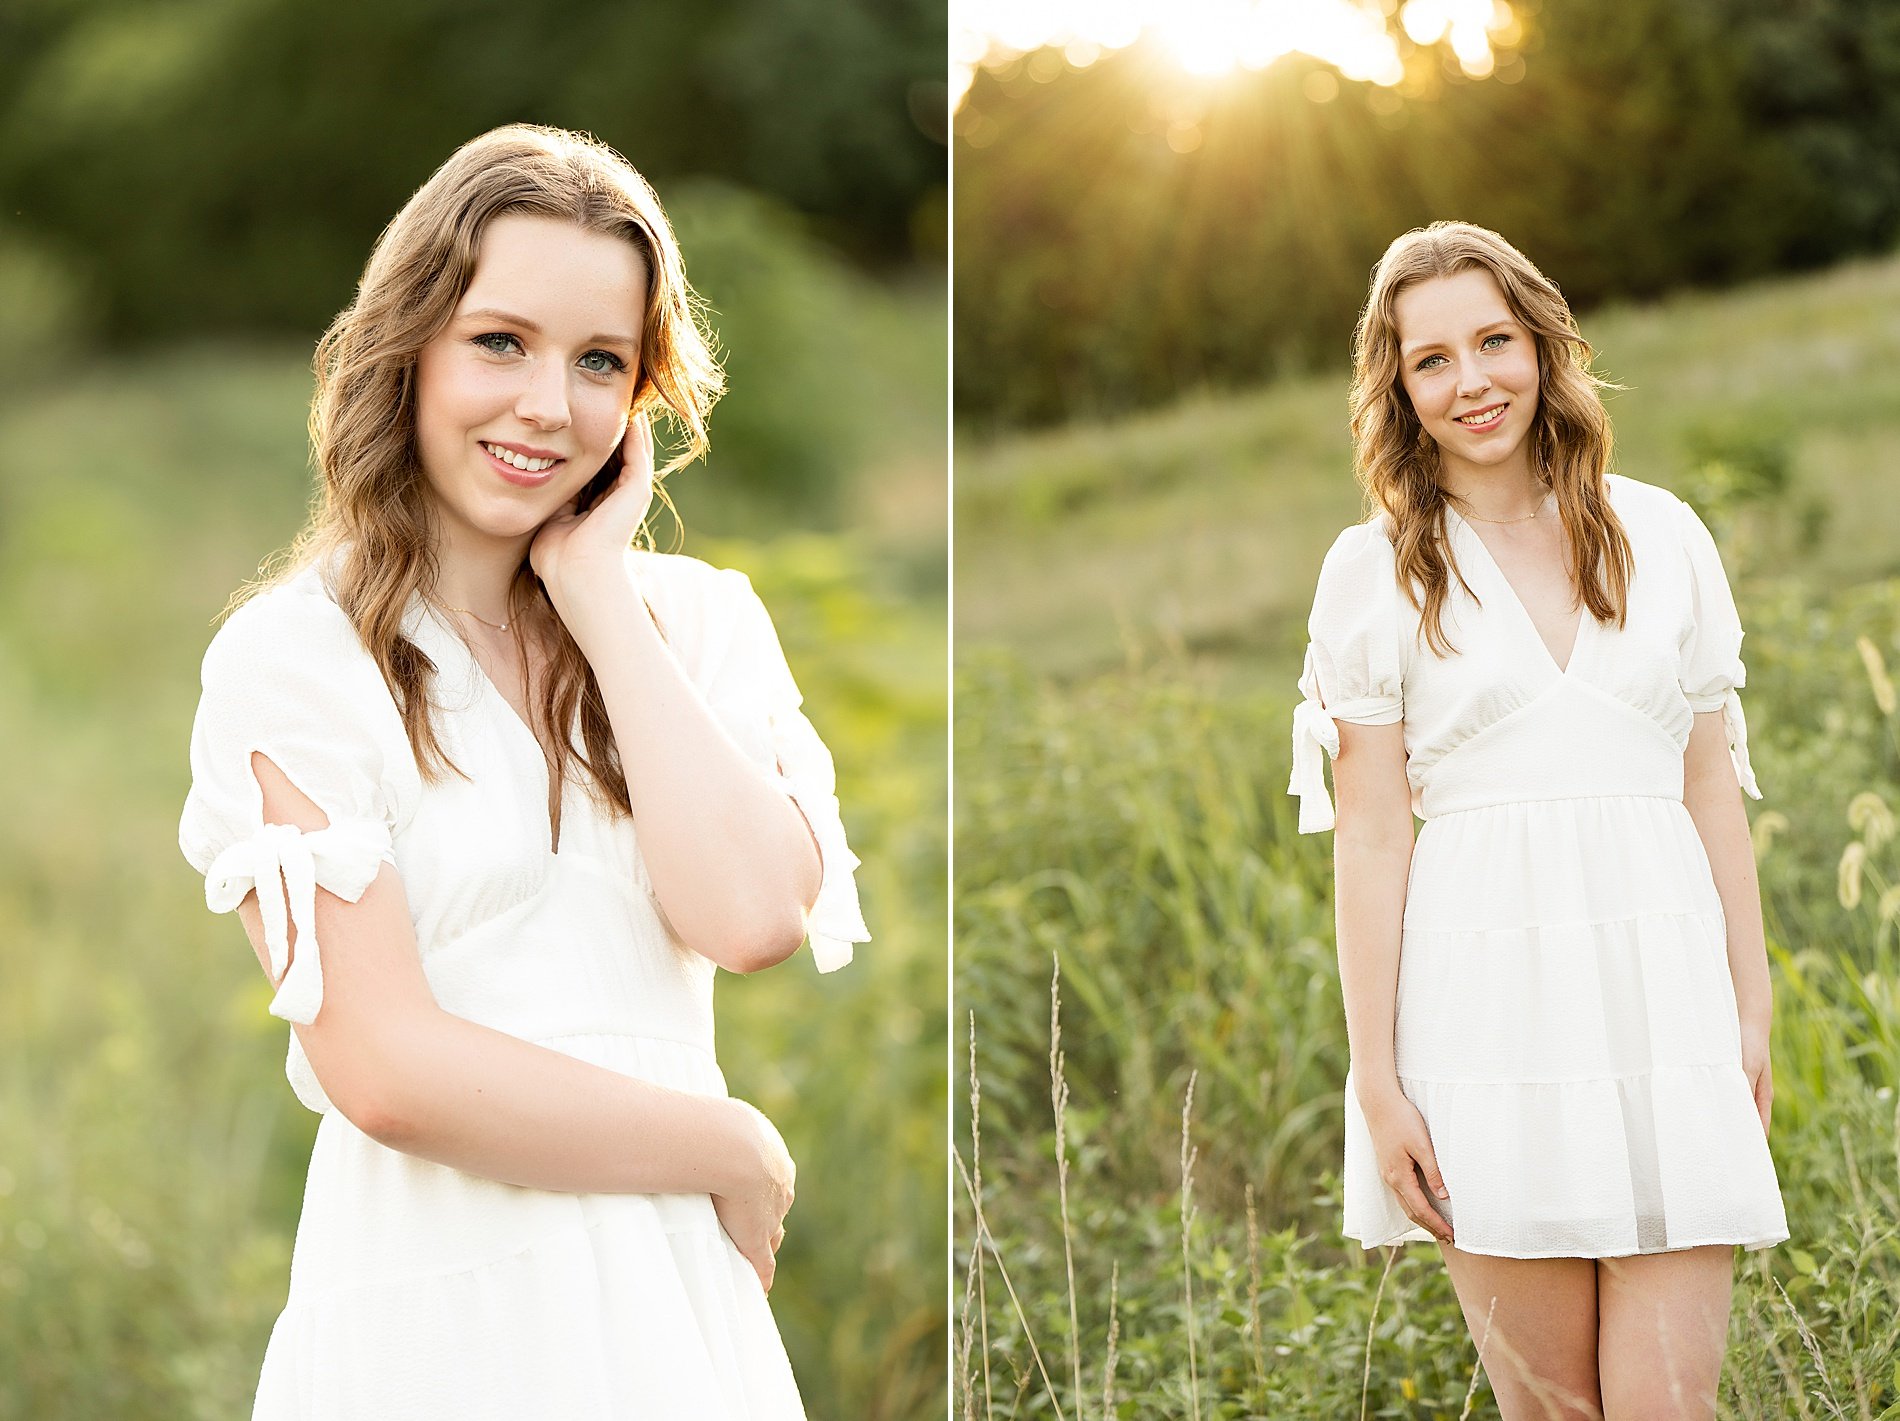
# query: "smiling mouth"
{"type": "Point", "coordinates": [519, 461]}
{"type": "Point", "coordinates": [1478, 418]}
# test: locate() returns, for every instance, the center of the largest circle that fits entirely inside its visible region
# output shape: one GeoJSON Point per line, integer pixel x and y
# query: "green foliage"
{"type": "Point", "coordinates": [151, 1155]}
{"type": "Point", "coordinates": [1128, 233]}
{"type": "Point", "coordinates": [1131, 826]}
{"type": "Point", "coordinates": [224, 165]}
{"type": "Point", "coordinates": [802, 336]}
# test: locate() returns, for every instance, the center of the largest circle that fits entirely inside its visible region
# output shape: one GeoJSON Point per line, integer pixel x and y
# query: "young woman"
{"type": "Point", "coordinates": [1557, 996]}
{"type": "Point", "coordinates": [546, 784]}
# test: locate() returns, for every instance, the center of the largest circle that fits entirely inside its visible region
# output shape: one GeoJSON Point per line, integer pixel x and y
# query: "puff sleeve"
{"type": "Point", "coordinates": [1711, 645]}
{"type": "Point", "coordinates": [1352, 662]}
{"type": "Point", "coordinates": [286, 676]}
{"type": "Point", "coordinates": [752, 691]}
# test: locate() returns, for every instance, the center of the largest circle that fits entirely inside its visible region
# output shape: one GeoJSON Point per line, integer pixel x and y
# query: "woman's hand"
{"type": "Point", "coordinates": [1755, 1065]}
{"type": "Point", "coordinates": [577, 554]}
{"type": "Point", "coordinates": [1403, 1147]}
{"type": "Point", "coordinates": [752, 1208]}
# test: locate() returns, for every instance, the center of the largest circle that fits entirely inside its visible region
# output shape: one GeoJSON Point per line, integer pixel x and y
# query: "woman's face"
{"type": "Point", "coordinates": [526, 391]}
{"type": "Point", "coordinates": [1468, 367]}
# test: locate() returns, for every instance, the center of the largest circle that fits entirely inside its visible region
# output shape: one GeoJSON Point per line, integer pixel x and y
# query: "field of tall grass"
{"type": "Point", "coordinates": [151, 1154]}
{"type": "Point", "coordinates": [1149, 1144]}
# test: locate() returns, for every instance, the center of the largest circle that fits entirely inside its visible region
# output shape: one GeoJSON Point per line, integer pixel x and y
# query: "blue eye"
{"type": "Point", "coordinates": [487, 336]}
{"type": "Point", "coordinates": [614, 363]}
{"type": "Point", "coordinates": [1490, 338]}
{"type": "Point", "coordinates": [1425, 364]}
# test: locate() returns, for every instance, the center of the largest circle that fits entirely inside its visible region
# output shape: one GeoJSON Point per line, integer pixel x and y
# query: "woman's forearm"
{"type": "Point", "coordinates": [730, 857]}
{"type": "Point", "coordinates": [1371, 868]}
{"type": "Point", "coordinates": [1714, 801]}
{"type": "Point", "coordinates": [494, 1105]}
{"type": "Point", "coordinates": [429, 1083]}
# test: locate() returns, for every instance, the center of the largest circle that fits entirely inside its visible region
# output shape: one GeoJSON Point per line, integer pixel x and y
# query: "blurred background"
{"type": "Point", "coordinates": [187, 195]}
{"type": "Point", "coordinates": [1165, 220]}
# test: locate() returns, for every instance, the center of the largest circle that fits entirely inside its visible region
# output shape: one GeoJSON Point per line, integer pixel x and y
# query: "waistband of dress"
{"type": "Point", "coordinates": [1458, 809]}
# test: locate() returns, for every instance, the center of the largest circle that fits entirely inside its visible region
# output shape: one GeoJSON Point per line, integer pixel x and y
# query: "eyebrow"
{"type": "Point", "coordinates": [509, 318]}
{"type": "Point", "coordinates": [1408, 351]}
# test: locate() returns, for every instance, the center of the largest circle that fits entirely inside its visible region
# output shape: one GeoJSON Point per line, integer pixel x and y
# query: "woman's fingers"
{"type": "Point", "coordinates": [1428, 1166]}
{"type": "Point", "coordinates": [765, 1265]}
{"type": "Point", "coordinates": [637, 449]}
{"type": "Point", "coordinates": [1415, 1172]}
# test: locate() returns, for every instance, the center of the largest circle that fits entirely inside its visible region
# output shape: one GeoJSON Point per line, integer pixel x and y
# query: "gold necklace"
{"type": "Point", "coordinates": [498, 626]}
{"type": "Point", "coordinates": [1525, 519]}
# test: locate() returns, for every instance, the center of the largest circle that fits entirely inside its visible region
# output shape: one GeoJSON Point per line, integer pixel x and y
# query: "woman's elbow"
{"type": "Point", "coordinates": [764, 944]}
{"type": "Point", "coordinates": [363, 1073]}
{"type": "Point", "coordinates": [383, 1124]}
{"type": "Point", "coordinates": [368, 1105]}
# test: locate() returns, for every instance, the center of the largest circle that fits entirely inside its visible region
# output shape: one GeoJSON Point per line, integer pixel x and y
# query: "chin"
{"type": "Point", "coordinates": [508, 519]}
{"type": "Point", "coordinates": [1486, 453]}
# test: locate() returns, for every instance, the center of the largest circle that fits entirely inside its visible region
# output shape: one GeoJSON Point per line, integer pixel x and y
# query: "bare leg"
{"type": "Point", "coordinates": [1664, 1328]}
{"type": "Point", "coordinates": [1541, 1351]}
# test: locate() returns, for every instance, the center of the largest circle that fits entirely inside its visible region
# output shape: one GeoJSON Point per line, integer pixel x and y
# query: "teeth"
{"type": "Point", "coordinates": [1481, 417]}
{"type": "Point", "coordinates": [519, 461]}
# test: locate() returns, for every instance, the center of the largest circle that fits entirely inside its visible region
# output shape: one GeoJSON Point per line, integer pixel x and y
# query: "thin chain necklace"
{"type": "Point", "coordinates": [498, 626]}
{"type": "Point", "coordinates": [1525, 519]}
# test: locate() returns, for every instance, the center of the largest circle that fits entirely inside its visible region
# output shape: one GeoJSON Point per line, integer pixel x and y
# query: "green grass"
{"type": "Point", "coordinates": [1121, 811]}
{"type": "Point", "coordinates": [151, 1154]}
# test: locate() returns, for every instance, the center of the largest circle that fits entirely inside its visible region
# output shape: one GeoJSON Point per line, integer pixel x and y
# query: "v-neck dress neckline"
{"type": "Point", "coordinates": [486, 683]}
{"type": "Point", "coordinates": [516, 728]}
{"type": "Point", "coordinates": [1586, 623]}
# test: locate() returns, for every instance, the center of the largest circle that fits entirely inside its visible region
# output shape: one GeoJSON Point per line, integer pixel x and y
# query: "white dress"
{"type": "Point", "coordinates": [1566, 1022]}
{"type": "Point", "coordinates": [416, 1290]}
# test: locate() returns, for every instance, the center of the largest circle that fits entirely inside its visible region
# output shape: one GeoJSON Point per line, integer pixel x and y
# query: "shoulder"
{"type": "Point", "coordinates": [294, 621]}
{"type": "Point", "coordinates": [1371, 537]}
{"type": "Point", "coordinates": [691, 593]}
{"type": "Point", "coordinates": [1362, 553]}
{"type": "Point", "coordinates": [711, 617]}
{"type": "Point", "coordinates": [1656, 517]}
{"type": "Point", "coordinates": [683, 575]}
{"type": "Point", "coordinates": [1358, 584]}
{"type": "Point", "coordinates": [1637, 501]}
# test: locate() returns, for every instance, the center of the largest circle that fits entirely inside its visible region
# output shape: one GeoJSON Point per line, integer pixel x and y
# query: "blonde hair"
{"type": "Point", "coordinates": [1397, 461]}
{"type": "Point", "coordinates": [374, 513]}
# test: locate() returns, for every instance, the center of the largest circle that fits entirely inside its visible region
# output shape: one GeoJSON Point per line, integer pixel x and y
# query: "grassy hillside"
{"type": "Point", "coordinates": [1130, 603]}
{"type": "Point", "coordinates": [1203, 525]}
{"type": "Point", "coordinates": [151, 1154]}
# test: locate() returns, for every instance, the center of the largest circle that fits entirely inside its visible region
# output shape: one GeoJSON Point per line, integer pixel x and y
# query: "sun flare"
{"type": "Point", "coordinates": [1215, 37]}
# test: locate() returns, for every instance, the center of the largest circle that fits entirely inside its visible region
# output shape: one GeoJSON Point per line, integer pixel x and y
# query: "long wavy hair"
{"type": "Point", "coordinates": [374, 514]}
{"type": "Point", "coordinates": [1397, 461]}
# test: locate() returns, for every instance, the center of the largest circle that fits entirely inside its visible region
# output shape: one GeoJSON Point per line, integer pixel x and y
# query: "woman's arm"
{"type": "Point", "coordinates": [1713, 797]}
{"type": "Point", "coordinates": [1372, 866]}
{"type": "Point", "coordinates": [1372, 863]}
{"type": "Point", "coordinates": [730, 856]}
{"type": "Point", "coordinates": [428, 1083]}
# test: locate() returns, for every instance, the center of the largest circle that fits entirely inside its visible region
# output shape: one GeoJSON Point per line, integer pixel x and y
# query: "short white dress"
{"type": "Point", "coordinates": [416, 1290]}
{"type": "Point", "coordinates": [1566, 1022]}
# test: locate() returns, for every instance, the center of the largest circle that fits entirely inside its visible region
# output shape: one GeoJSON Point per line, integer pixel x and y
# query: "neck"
{"type": "Point", "coordinates": [477, 573]}
{"type": "Point", "coordinates": [1508, 490]}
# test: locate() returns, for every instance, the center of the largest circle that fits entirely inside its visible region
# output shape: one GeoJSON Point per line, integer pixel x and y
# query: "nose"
{"type": "Point", "coordinates": [543, 399]}
{"type": "Point", "coordinates": [1472, 381]}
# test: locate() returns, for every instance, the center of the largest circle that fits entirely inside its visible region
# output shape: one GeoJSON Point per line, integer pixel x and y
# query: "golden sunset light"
{"type": "Point", "coordinates": [1214, 37]}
